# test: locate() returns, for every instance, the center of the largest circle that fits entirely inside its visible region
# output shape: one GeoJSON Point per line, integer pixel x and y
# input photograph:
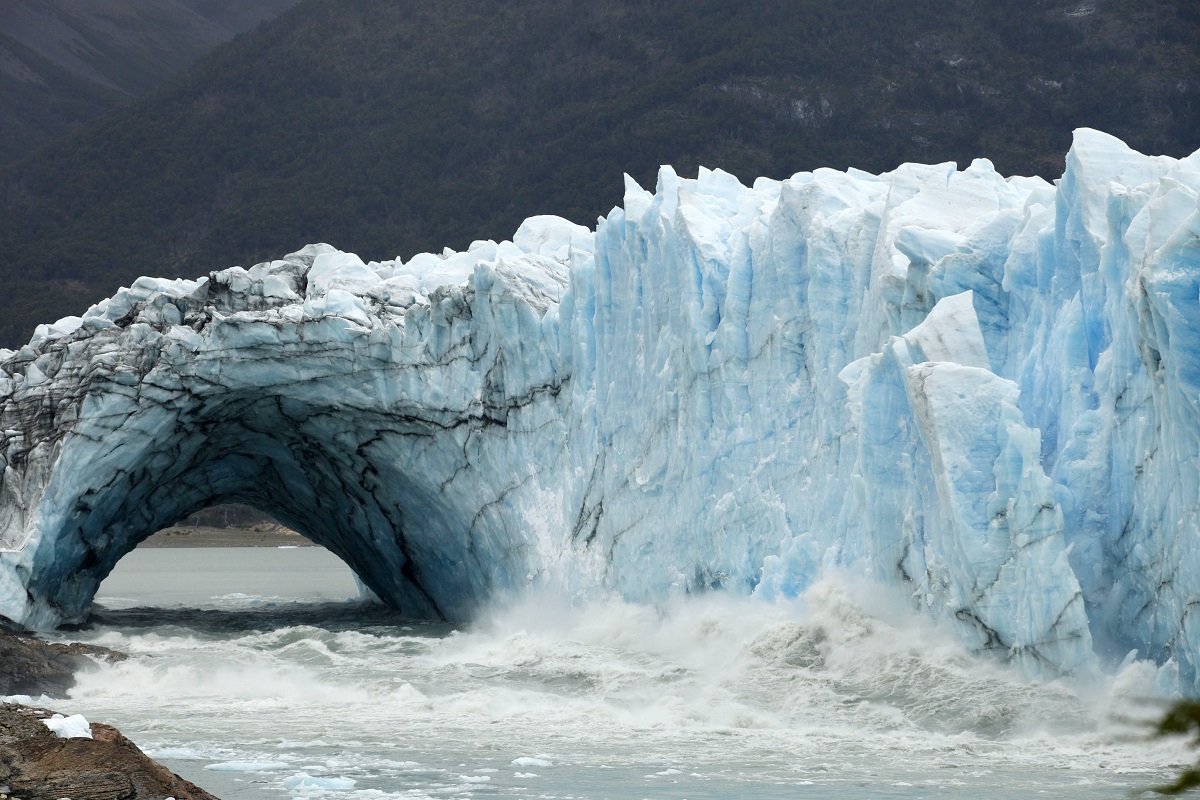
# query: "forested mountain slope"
{"type": "Point", "coordinates": [387, 127]}
{"type": "Point", "coordinates": [63, 62]}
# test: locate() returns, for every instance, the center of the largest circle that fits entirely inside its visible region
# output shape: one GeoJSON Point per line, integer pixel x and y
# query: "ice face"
{"type": "Point", "coordinates": [982, 389]}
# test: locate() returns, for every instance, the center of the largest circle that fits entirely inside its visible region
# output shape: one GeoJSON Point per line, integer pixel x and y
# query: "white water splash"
{"type": "Point", "coordinates": [842, 693]}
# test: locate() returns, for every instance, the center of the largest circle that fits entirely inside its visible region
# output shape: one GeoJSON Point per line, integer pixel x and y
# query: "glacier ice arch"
{"type": "Point", "coordinates": [227, 391]}
{"type": "Point", "coordinates": [982, 390]}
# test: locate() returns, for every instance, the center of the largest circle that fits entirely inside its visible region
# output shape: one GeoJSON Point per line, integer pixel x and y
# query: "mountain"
{"type": "Point", "coordinates": [63, 62]}
{"type": "Point", "coordinates": [392, 126]}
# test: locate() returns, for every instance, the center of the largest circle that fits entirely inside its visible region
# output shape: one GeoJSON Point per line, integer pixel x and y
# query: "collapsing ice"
{"type": "Point", "coordinates": [984, 389]}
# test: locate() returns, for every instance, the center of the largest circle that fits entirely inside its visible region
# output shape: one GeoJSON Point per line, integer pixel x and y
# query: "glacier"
{"type": "Point", "coordinates": [981, 390]}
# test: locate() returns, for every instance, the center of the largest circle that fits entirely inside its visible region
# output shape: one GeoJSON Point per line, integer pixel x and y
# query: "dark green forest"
{"type": "Point", "coordinates": [388, 127]}
{"type": "Point", "coordinates": [64, 62]}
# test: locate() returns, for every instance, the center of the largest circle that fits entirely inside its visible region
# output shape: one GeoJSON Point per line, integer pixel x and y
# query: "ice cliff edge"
{"type": "Point", "coordinates": [986, 390]}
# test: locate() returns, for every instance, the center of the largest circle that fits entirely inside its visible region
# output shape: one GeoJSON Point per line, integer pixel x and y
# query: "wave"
{"type": "Point", "coordinates": [843, 677]}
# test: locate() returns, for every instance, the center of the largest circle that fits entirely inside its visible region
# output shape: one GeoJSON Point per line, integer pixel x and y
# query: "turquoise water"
{"type": "Point", "coordinates": [257, 674]}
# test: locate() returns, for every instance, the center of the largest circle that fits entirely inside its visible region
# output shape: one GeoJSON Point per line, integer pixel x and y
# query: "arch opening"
{"type": "Point", "coordinates": [229, 565]}
{"type": "Point", "coordinates": [344, 478]}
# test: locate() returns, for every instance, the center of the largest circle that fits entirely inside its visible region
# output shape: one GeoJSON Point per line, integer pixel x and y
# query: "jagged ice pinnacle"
{"type": "Point", "coordinates": [983, 390]}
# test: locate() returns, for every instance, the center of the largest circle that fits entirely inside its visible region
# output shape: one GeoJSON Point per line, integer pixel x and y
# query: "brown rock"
{"type": "Point", "coordinates": [29, 666]}
{"type": "Point", "coordinates": [37, 765]}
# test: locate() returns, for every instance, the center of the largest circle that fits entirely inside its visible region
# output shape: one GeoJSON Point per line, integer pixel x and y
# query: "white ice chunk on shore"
{"type": "Point", "coordinates": [72, 727]}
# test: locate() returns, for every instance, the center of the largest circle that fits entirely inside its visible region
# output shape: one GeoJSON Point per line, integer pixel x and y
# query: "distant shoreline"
{"type": "Point", "coordinates": [226, 537]}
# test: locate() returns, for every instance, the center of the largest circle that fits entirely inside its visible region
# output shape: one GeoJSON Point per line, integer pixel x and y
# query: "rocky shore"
{"type": "Point", "coordinates": [198, 536]}
{"type": "Point", "coordinates": [36, 763]}
{"type": "Point", "coordinates": [78, 760]}
{"type": "Point", "coordinates": [29, 666]}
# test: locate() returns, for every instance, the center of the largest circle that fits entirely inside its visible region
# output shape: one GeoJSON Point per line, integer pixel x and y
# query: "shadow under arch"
{"type": "Point", "coordinates": [347, 479]}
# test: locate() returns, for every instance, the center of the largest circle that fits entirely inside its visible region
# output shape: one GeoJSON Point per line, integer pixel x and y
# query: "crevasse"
{"type": "Point", "coordinates": [983, 390]}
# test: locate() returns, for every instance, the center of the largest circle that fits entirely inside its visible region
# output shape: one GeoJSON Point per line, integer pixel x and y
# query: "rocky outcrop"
{"type": "Point", "coordinates": [33, 667]}
{"type": "Point", "coordinates": [37, 765]}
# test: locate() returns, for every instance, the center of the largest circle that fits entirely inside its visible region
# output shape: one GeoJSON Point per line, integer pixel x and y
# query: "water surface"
{"type": "Point", "coordinates": [259, 675]}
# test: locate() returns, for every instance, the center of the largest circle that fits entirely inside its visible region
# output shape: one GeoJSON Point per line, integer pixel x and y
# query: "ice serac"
{"type": "Point", "coordinates": [983, 390]}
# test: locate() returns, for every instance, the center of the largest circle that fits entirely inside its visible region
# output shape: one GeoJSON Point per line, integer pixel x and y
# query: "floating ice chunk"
{"type": "Point", "coordinates": [188, 753]}
{"type": "Point", "coordinates": [245, 766]}
{"type": "Point", "coordinates": [305, 781]}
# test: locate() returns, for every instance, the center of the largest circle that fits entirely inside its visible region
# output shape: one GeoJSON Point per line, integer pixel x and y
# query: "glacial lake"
{"type": "Point", "coordinates": [258, 674]}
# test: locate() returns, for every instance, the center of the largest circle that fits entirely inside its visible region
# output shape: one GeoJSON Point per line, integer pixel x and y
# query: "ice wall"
{"type": "Point", "coordinates": [981, 389]}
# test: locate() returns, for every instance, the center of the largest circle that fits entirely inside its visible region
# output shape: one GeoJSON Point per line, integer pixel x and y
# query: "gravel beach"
{"type": "Point", "coordinates": [186, 536]}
